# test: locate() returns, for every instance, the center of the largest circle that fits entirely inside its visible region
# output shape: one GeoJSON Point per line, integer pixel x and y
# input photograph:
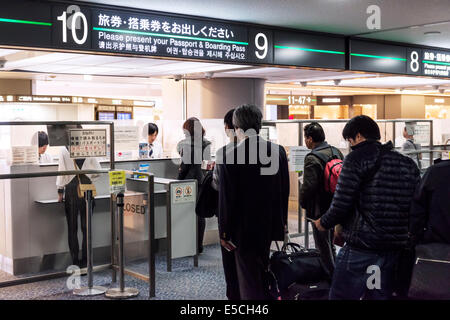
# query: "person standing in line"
{"type": "Point", "coordinates": [430, 210]}
{"type": "Point", "coordinates": [313, 197]}
{"type": "Point", "coordinates": [372, 202]}
{"type": "Point", "coordinates": [193, 149]}
{"type": "Point", "coordinates": [228, 260]}
{"type": "Point", "coordinates": [73, 205]}
{"type": "Point", "coordinates": [253, 203]}
{"type": "Point", "coordinates": [410, 145]}
{"type": "Point", "coordinates": [155, 149]}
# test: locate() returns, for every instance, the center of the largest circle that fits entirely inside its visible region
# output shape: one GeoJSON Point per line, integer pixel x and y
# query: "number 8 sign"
{"type": "Point", "coordinates": [414, 61]}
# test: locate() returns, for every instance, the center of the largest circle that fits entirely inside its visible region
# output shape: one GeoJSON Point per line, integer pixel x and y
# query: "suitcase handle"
{"type": "Point", "coordinates": [294, 247]}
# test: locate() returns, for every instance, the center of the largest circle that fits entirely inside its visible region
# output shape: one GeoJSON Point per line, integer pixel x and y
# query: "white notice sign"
{"type": "Point", "coordinates": [126, 138]}
{"type": "Point", "coordinates": [183, 192]}
{"type": "Point", "coordinates": [87, 143]}
{"type": "Point", "coordinates": [297, 158]}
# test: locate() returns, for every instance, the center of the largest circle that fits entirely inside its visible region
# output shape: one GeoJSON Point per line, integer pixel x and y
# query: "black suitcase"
{"type": "Point", "coordinates": [298, 291]}
{"type": "Point", "coordinates": [431, 272]}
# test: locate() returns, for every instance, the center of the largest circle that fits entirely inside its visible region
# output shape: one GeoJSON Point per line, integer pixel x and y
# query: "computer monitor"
{"type": "Point", "coordinates": [58, 134]}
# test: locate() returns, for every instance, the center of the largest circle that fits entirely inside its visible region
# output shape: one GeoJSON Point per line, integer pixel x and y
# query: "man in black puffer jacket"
{"type": "Point", "coordinates": [372, 202]}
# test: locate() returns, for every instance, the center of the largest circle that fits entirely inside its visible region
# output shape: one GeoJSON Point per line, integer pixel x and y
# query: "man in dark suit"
{"type": "Point", "coordinates": [253, 202]}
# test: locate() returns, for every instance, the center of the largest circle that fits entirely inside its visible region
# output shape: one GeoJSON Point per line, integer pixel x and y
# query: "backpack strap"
{"type": "Point", "coordinates": [323, 158]}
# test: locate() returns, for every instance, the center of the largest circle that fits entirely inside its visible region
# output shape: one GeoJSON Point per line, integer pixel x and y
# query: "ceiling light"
{"type": "Point", "coordinates": [87, 77]}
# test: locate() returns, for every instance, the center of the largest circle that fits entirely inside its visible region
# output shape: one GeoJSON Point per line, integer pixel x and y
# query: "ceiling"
{"type": "Point", "coordinates": [401, 20]}
{"type": "Point", "coordinates": [76, 67]}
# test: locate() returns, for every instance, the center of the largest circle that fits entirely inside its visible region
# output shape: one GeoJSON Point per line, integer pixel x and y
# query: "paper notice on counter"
{"type": "Point", "coordinates": [297, 158]}
{"type": "Point", "coordinates": [117, 181]}
{"type": "Point", "coordinates": [126, 138]}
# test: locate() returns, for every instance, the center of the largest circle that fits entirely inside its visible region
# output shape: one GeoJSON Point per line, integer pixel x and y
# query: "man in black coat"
{"type": "Point", "coordinates": [253, 202]}
{"type": "Point", "coordinates": [372, 202]}
{"type": "Point", "coordinates": [430, 211]}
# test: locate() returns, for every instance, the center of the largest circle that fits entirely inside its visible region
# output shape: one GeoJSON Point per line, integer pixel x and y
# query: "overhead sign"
{"type": "Point", "coordinates": [377, 57]}
{"type": "Point", "coordinates": [309, 50]}
{"type": "Point", "coordinates": [121, 31]}
{"type": "Point", "coordinates": [93, 28]}
{"type": "Point", "coordinates": [87, 27]}
{"type": "Point", "coordinates": [427, 62]}
{"type": "Point", "coordinates": [85, 143]}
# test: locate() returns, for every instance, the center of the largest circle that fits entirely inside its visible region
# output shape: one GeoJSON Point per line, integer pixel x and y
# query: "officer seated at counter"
{"type": "Point", "coordinates": [43, 145]}
{"type": "Point", "coordinates": [154, 147]}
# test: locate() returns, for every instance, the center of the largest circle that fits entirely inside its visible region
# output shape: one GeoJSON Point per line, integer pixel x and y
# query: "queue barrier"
{"type": "Point", "coordinates": [121, 292]}
{"type": "Point", "coordinates": [151, 277]}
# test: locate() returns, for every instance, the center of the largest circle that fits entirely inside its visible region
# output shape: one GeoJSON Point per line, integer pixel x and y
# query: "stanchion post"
{"type": "Point", "coordinates": [121, 292]}
{"type": "Point", "coordinates": [151, 236]}
{"type": "Point", "coordinates": [90, 290]}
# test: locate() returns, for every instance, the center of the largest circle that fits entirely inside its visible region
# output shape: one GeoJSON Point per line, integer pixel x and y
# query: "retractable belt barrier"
{"type": "Point", "coordinates": [90, 290]}
{"type": "Point", "coordinates": [122, 292]}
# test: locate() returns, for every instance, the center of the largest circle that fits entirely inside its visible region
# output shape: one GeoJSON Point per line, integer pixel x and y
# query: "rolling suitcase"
{"type": "Point", "coordinates": [431, 272]}
{"type": "Point", "coordinates": [298, 291]}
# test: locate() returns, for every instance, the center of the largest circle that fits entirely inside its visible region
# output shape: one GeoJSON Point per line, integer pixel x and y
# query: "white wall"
{"type": "Point", "coordinates": [98, 89]}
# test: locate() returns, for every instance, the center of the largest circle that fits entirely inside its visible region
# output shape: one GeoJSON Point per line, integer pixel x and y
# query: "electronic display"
{"type": "Point", "coordinates": [308, 50]}
{"type": "Point", "coordinates": [377, 57]}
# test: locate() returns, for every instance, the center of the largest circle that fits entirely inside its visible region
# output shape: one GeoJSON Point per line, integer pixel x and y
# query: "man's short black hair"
{"type": "Point", "coordinates": [363, 125]}
{"type": "Point", "coordinates": [42, 139]}
{"type": "Point", "coordinates": [228, 119]}
{"type": "Point", "coordinates": [247, 117]}
{"type": "Point", "coordinates": [315, 131]}
{"type": "Point", "coordinates": [152, 128]}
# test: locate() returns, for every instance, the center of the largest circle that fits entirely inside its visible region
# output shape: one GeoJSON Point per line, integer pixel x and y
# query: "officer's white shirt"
{"type": "Point", "coordinates": [45, 158]}
{"type": "Point", "coordinates": [65, 163]}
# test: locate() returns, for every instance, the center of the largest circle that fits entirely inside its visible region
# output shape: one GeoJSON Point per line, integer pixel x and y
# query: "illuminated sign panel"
{"type": "Point", "coordinates": [377, 57]}
{"type": "Point", "coordinates": [307, 50]}
{"type": "Point", "coordinates": [86, 27]}
{"type": "Point", "coordinates": [25, 23]}
{"type": "Point", "coordinates": [286, 100]}
{"type": "Point", "coordinates": [118, 31]}
{"type": "Point", "coordinates": [426, 62]}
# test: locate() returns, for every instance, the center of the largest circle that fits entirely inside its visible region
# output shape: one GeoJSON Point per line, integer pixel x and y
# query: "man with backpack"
{"type": "Point", "coordinates": [372, 202]}
{"type": "Point", "coordinates": [321, 169]}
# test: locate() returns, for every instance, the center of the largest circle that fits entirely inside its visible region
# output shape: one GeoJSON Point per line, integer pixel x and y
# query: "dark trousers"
{"type": "Point", "coordinates": [324, 243]}
{"type": "Point", "coordinates": [245, 274]}
{"type": "Point", "coordinates": [75, 206]}
{"type": "Point", "coordinates": [201, 225]}
{"type": "Point", "coordinates": [231, 277]}
{"type": "Point", "coordinates": [356, 273]}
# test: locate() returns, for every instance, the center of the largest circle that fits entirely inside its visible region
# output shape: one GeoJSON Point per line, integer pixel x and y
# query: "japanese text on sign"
{"type": "Point", "coordinates": [87, 143]}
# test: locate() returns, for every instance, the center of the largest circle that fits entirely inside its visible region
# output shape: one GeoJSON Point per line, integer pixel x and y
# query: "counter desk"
{"type": "Point", "coordinates": [34, 228]}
